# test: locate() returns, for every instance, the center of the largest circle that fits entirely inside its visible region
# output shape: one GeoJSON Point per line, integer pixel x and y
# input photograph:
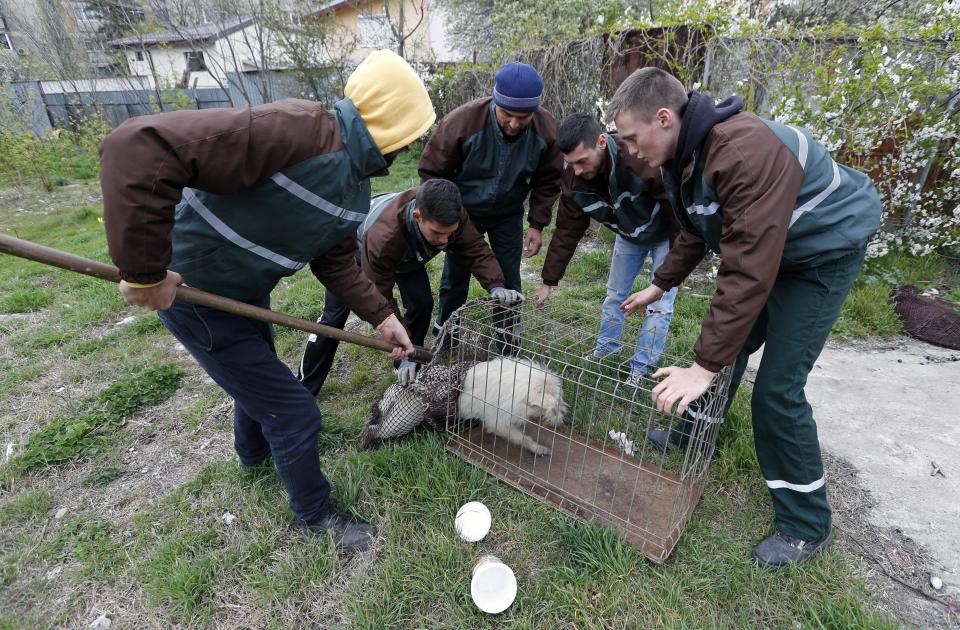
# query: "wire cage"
{"type": "Point", "coordinates": [554, 421]}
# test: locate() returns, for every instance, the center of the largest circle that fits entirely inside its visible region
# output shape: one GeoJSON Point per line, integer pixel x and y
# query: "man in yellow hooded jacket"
{"type": "Point", "coordinates": [231, 201]}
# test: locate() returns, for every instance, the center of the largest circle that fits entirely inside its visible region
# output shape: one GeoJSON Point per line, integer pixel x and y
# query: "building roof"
{"type": "Point", "coordinates": [202, 34]}
{"type": "Point", "coordinates": [326, 7]}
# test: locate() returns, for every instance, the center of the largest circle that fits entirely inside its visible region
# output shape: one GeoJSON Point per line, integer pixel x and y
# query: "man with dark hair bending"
{"type": "Point", "coordinates": [402, 233]}
{"type": "Point", "coordinates": [791, 226]}
{"type": "Point", "coordinates": [602, 181]}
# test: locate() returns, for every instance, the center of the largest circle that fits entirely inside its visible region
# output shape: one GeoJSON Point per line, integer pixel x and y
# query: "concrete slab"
{"type": "Point", "coordinates": [893, 411]}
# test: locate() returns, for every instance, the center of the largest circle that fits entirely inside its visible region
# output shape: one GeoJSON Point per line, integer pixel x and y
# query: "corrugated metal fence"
{"type": "Point", "coordinates": [47, 105]}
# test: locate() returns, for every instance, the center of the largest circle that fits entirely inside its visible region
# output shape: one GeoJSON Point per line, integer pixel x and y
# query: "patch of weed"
{"type": "Point", "coordinates": [102, 477]}
{"type": "Point", "coordinates": [62, 440]}
{"type": "Point", "coordinates": [68, 437]}
{"type": "Point", "coordinates": [148, 388]}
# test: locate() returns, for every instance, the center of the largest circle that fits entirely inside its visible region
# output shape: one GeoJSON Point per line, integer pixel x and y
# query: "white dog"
{"type": "Point", "coordinates": [504, 393]}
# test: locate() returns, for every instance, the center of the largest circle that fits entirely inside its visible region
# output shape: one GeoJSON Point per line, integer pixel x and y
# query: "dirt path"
{"type": "Point", "coordinates": [892, 412]}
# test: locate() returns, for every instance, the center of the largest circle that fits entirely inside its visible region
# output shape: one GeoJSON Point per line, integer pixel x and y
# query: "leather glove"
{"type": "Point", "coordinates": [406, 372]}
{"type": "Point", "coordinates": [506, 296]}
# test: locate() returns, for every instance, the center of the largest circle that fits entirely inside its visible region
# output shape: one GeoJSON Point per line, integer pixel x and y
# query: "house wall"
{"type": "Point", "coordinates": [427, 43]}
{"type": "Point", "coordinates": [169, 66]}
{"type": "Point", "coordinates": [250, 49]}
{"type": "Point", "coordinates": [440, 41]}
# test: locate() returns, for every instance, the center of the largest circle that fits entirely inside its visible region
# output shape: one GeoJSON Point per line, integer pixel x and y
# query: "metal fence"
{"type": "Point", "coordinates": [48, 105]}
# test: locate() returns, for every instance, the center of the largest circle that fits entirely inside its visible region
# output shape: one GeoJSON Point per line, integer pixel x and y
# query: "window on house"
{"type": "Point", "coordinates": [375, 31]}
{"type": "Point", "coordinates": [195, 62]}
{"type": "Point", "coordinates": [86, 12]}
{"type": "Point", "coordinates": [139, 55]}
{"type": "Point", "coordinates": [5, 42]}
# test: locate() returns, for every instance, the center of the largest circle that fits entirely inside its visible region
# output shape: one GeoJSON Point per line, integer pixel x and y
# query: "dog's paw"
{"type": "Point", "coordinates": [540, 450]}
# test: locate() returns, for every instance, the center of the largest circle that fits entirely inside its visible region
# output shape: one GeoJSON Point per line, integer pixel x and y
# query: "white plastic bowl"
{"type": "Point", "coordinates": [473, 521]}
{"type": "Point", "coordinates": [494, 586]}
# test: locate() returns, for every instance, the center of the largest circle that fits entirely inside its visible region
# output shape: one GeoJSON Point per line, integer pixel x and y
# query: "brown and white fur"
{"type": "Point", "coordinates": [504, 393]}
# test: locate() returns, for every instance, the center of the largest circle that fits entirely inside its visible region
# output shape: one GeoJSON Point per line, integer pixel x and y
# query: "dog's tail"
{"type": "Point", "coordinates": [368, 438]}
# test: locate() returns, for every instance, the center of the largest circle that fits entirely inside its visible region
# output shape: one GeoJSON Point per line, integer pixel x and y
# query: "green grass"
{"type": "Point", "coordinates": [88, 543]}
{"type": "Point", "coordinates": [26, 300]}
{"type": "Point", "coordinates": [196, 570]}
{"type": "Point", "coordinates": [89, 430]}
{"type": "Point", "coordinates": [26, 506]}
{"type": "Point", "coordinates": [868, 311]}
{"type": "Point", "coordinates": [102, 477]}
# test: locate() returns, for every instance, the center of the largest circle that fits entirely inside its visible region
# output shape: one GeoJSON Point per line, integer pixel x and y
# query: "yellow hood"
{"type": "Point", "coordinates": [391, 99]}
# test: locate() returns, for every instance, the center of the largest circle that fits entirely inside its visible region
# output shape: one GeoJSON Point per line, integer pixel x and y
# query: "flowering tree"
{"type": "Point", "coordinates": [884, 99]}
{"type": "Point", "coordinates": [883, 96]}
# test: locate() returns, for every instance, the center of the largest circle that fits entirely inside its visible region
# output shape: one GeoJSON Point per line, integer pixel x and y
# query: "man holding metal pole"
{"type": "Point", "coordinates": [231, 201]}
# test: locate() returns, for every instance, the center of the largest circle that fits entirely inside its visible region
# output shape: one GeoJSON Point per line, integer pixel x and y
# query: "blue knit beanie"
{"type": "Point", "coordinates": [518, 87]}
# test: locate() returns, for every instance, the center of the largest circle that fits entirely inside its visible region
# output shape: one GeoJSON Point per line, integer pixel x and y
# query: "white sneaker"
{"type": "Point", "coordinates": [598, 355]}
{"type": "Point", "coordinates": [635, 380]}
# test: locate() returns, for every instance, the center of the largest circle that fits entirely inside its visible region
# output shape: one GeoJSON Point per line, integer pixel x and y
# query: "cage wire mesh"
{"type": "Point", "coordinates": [568, 428]}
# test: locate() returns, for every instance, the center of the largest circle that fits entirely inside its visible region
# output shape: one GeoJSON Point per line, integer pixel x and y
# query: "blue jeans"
{"type": "Point", "coordinates": [273, 413]}
{"type": "Point", "coordinates": [626, 265]}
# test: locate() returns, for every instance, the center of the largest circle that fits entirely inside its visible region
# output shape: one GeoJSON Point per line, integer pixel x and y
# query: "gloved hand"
{"type": "Point", "coordinates": [406, 372]}
{"type": "Point", "coordinates": [506, 296]}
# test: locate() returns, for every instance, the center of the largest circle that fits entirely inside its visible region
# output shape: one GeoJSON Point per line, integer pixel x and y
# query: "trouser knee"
{"type": "Point", "coordinates": [291, 433]}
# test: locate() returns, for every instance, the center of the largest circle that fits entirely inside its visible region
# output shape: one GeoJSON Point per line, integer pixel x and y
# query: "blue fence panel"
{"type": "Point", "coordinates": [51, 108]}
{"type": "Point", "coordinates": [27, 103]}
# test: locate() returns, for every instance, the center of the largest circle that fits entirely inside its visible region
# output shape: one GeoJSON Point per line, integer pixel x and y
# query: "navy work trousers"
{"type": "Point", "coordinates": [273, 412]}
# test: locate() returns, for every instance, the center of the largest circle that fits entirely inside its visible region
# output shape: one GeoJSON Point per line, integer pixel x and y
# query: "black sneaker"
{"type": "Point", "coordinates": [779, 550]}
{"type": "Point", "coordinates": [662, 439]}
{"type": "Point", "coordinates": [348, 534]}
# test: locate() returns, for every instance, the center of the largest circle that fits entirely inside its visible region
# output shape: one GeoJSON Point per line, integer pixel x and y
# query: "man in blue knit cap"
{"type": "Point", "coordinates": [499, 151]}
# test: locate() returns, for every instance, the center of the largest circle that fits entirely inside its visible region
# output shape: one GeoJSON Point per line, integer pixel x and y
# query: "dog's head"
{"type": "Point", "coordinates": [545, 400]}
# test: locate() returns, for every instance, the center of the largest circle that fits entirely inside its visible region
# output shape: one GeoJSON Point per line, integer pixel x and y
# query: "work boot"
{"type": "Point", "coordinates": [779, 550]}
{"type": "Point", "coordinates": [348, 534]}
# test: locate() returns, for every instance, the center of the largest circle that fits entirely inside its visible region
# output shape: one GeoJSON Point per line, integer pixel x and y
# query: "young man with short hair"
{"type": "Point", "coordinates": [499, 151]}
{"type": "Point", "coordinates": [791, 226]}
{"type": "Point", "coordinates": [233, 200]}
{"type": "Point", "coordinates": [602, 181]}
{"type": "Point", "coordinates": [402, 233]}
